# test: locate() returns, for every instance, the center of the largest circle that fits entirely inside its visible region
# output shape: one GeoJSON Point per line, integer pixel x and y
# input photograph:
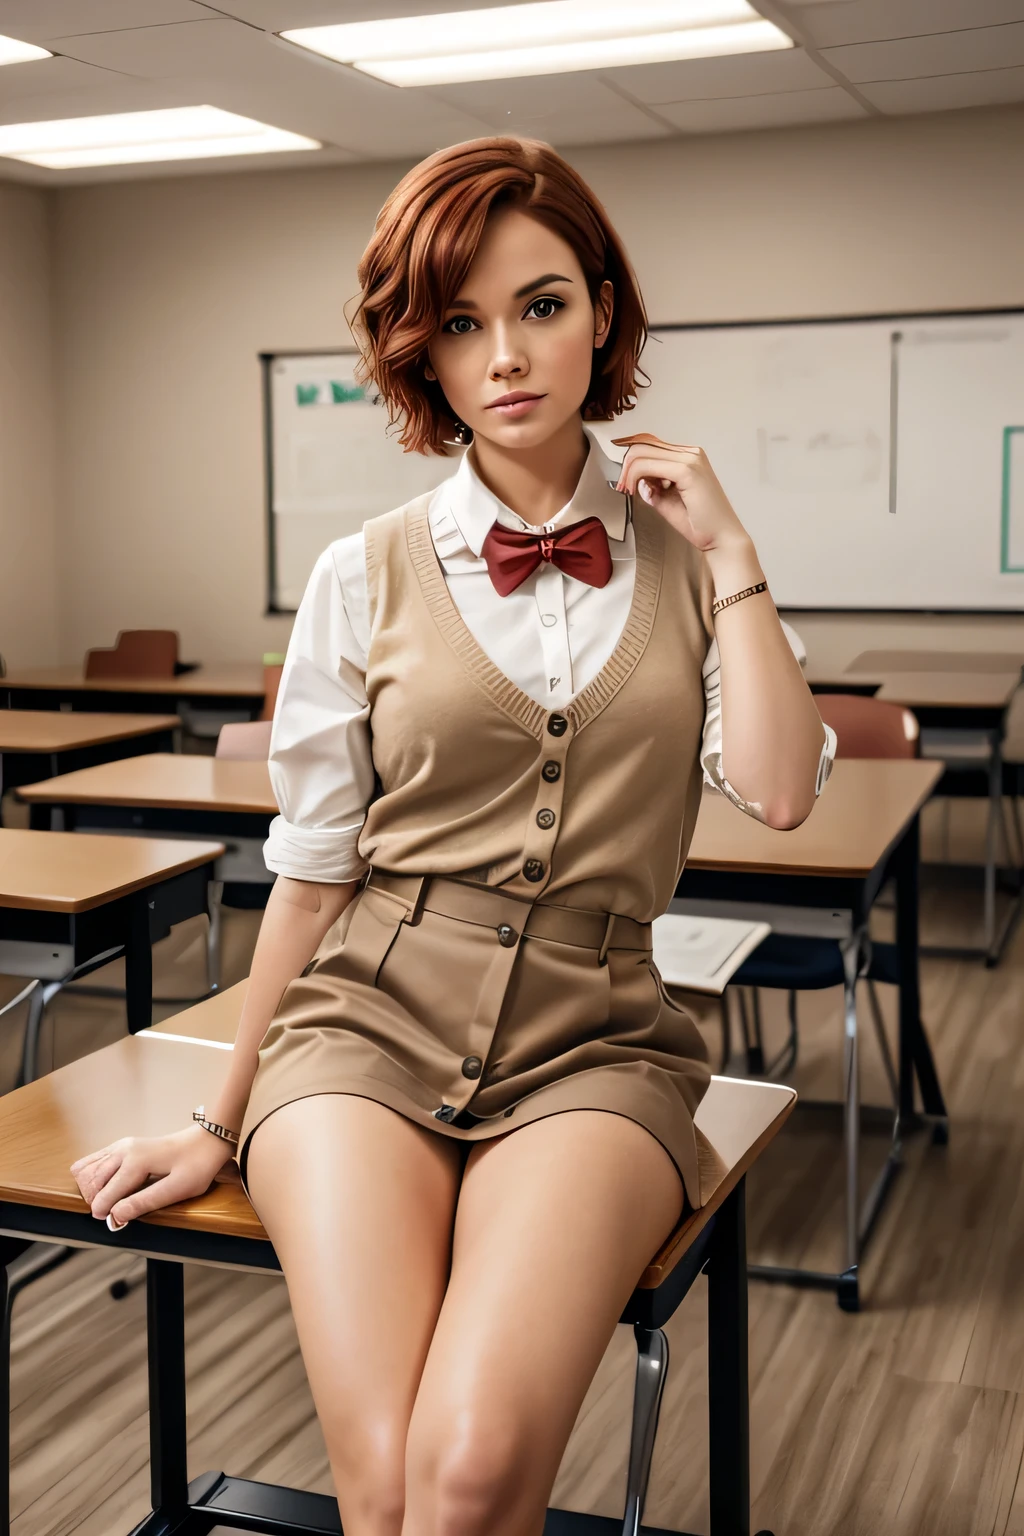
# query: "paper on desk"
{"type": "Point", "coordinates": [703, 953]}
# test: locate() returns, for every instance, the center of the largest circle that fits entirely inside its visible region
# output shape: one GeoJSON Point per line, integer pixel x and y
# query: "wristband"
{"type": "Point", "coordinates": [199, 1116]}
{"type": "Point", "coordinates": [737, 597]}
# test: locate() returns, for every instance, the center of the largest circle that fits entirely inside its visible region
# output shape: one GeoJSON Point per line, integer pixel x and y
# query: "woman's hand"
{"type": "Point", "coordinates": [115, 1180]}
{"type": "Point", "coordinates": [680, 484]}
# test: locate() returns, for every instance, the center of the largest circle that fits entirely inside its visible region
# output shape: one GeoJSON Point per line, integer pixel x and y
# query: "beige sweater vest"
{"type": "Point", "coordinates": [590, 806]}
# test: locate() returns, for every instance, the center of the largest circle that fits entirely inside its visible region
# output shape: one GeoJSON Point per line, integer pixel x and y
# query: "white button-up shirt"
{"type": "Point", "coordinates": [551, 636]}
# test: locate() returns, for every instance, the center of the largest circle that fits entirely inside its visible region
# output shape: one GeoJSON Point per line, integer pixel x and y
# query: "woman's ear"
{"type": "Point", "coordinates": [604, 306]}
{"type": "Point", "coordinates": [429, 374]}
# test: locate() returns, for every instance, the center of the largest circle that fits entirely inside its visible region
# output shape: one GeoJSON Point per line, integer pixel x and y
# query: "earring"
{"type": "Point", "coordinates": [463, 434]}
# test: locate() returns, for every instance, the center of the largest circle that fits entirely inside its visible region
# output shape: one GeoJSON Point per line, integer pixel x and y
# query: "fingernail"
{"type": "Point", "coordinates": [115, 1226]}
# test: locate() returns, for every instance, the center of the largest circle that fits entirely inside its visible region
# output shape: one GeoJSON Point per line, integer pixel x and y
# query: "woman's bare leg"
{"type": "Point", "coordinates": [554, 1226]}
{"type": "Point", "coordinates": [359, 1204]}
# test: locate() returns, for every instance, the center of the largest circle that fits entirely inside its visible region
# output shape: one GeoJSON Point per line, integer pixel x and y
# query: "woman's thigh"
{"type": "Point", "coordinates": [554, 1226]}
{"type": "Point", "coordinates": [359, 1205]}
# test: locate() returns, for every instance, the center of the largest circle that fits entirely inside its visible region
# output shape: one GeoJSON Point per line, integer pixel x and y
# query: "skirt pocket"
{"type": "Point", "coordinates": [366, 940]}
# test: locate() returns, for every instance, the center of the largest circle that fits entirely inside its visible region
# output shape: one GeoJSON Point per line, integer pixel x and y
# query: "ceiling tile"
{"type": "Point", "coordinates": [743, 74]}
{"type": "Point", "coordinates": [736, 113]}
{"type": "Point", "coordinates": [944, 53]}
{"type": "Point", "coordinates": [941, 93]}
{"type": "Point", "coordinates": [40, 21]}
{"type": "Point", "coordinates": [49, 78]}
{"type": "Point", "coordinates": [829, 22]}
{"type": "Point", "coordinates": [207, 46]}
{"type": "Point", "coordinates": [563, 109]}
{"type": "Point", "coordinates": [279, 15]}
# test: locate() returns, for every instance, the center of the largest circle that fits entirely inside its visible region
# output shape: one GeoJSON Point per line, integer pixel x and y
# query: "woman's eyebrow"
{"type": "Point", "coordinates": [520, 293]}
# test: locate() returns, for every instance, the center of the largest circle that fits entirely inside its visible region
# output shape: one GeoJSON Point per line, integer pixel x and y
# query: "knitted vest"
{"type": "Point", "coordinates": [592, 805]}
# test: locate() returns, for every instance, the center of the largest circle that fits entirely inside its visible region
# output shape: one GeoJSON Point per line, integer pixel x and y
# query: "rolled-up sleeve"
{"type": "Point", "coordinates": [711, 744]}
{"type": "Point", "coordinates": [321, 765]}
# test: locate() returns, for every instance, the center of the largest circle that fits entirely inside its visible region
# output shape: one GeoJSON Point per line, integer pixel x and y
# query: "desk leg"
{"type": "Point", "coordinates": [138, 964]}
{"type": "Point", "coordinates": [916, 1060]}
{"type": "Point", "coordinates": [168, 1443]}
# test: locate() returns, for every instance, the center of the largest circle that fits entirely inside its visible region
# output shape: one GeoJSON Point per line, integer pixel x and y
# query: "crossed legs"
{"type": "Point", "coordinates": [451, 1321]}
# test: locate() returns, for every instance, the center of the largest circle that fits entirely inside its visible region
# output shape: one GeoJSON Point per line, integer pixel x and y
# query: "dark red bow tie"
{"type": "Point", "coordinates": [581, 550]}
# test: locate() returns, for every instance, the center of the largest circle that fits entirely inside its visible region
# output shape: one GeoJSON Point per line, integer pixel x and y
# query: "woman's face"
{"type": "Point", "coordinates": [522, 330]}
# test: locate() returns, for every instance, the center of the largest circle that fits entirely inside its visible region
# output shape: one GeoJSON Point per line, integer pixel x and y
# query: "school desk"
{"type": "Point", "coordinates": [874, 664]}
{"type": "Point", "coordinates": [147, 1086]}
{"type": "Point", "coordinates": [962, 716]}
{"type": "Point", "coordinates": [70, 904]}
{"type": "Point", "coordinates": [821, 880]}
{"type": "Point", "coordinates": [42, 742]}
{"type": "Point", "coordinates": [174, 795]}
{"type": "Point", "coordinates": [231, 686]}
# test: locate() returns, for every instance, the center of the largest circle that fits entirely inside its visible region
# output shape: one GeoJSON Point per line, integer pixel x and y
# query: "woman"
{"type": "Point", "coordinates": [465, 1115]}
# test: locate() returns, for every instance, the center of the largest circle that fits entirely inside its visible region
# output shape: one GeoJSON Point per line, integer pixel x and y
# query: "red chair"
{"type": "Point", "coordinates": [245, 739]}
{"type": "Point", "coordinates": [869, 727]}
{"type": "Point", "coordinates": [138, 653]}
{"type": "Point", "coordinates": [271, 683]}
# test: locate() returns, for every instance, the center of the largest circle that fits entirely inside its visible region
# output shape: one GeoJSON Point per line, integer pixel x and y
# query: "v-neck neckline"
{"type": "Point", "coordinates": [649, 534]}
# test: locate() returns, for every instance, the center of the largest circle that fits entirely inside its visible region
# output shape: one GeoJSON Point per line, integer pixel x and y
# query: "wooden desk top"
{"type": "Point", "coordinates": [244, 679]}
{"type": "Point", "coordinates": [215, 1019]}
{"type": "Point", "coordinates": [861, 814]}
{"type": "Point", "coordinates": [54, 730]}
{"type": "Point", "coordinates": [168, 780]}
{"type": "Point", "coordinates": [147, 1085]}
{"type": "Point", "coordinates": [70, 872]}
{"type": "Point", "coordinates": [874, 664]}
{"type": "Point", "coordinates": [950, 690]}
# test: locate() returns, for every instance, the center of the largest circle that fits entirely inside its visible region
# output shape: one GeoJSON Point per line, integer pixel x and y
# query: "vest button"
{"type": "Point", "coordinates": [533, 869]}
{"type": "Point", "coordinates": [507, 935]}
{"type": "Point", "coordinates": [558, 725]}
{"type": "Point", "coordinates": [545, 819]}
{"type": "Point", "coordinates": [551, 771]}
{"type": "Point", "coordinates": [472, 1066]}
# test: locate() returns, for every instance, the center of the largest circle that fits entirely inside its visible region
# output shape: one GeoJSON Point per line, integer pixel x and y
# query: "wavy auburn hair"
{"type": "Point", "coordinates": [423, 243]}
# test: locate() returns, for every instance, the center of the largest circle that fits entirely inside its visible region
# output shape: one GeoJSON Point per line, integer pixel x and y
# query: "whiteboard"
{"type": "Point", "coordinates": [878, 464]}
{"type": "Point", "coordinates": [331, 464]}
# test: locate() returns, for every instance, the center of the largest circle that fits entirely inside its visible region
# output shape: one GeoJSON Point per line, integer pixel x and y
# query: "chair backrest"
{"type": "Point", "coordinates": [271, 683]}
{"type": "Point", "coordinates": [138, 653]}
{"type": "Point", "coordinates": [248, 739]}
{"type": "Point", "coordinates": [868, 727]}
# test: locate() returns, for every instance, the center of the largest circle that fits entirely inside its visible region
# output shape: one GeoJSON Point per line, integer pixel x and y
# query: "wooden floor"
{"type": "Point", "coordinates": [906, 1420]}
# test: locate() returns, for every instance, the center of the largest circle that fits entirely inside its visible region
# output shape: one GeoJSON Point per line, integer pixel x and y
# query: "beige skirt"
{"type": "Point", "coordinates": [472, 1012]}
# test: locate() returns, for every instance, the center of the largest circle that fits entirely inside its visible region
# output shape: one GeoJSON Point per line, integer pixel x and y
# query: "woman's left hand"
{"type": "Point", "coordinates": [679, 483]}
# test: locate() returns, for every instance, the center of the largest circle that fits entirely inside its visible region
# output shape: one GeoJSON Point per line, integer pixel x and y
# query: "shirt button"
{"type": "Point", "coordinates": [547, 619]}
{"type": "Point", "coordinates": [545, 819]}
{"type": "Point", "coordinates": [551, 771]}
{"type": "Point", "coordinates": [533, 869]}
{"type": "Point", "coordinates": [472, 1066]}
{"type": "Point", "coordinates": [507, 935]}
{"type": "Point", "coordinates": [558, 725]}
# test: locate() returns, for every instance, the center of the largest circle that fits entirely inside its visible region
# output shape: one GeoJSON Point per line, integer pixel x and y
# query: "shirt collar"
{"type": "Point", "coordinates": [475, 508]}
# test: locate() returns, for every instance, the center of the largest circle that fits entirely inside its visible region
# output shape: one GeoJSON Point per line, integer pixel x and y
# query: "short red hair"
{"type": "Point", "coordinates": [424, 241]}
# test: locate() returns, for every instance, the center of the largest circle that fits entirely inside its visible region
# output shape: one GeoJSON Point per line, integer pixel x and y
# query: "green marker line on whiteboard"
{"type": "Point", "coordinates": [344, 394]}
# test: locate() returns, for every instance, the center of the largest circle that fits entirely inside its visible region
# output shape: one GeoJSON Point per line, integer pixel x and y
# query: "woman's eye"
{"type": "Point", "coordinates": [460, 326]}
{"type": "Point", "coordinates": [543, 309]}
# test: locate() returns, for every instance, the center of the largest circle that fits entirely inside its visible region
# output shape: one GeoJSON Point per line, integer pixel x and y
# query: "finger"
{"type": "Point", "coordinates": [92, 1157]}
{"type": "Point", "coordinates": [131, 1176]}
{"type": "Point", "coordinates": [93, 1178]}
{"type": "Point", "coordinates": [647, 439]}
{"type": "Point", "coordinates": [634, 470]}
{"type": "Point", "coordinates": [166, 1191]}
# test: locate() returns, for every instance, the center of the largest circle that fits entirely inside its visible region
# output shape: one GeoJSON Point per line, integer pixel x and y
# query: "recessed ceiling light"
{"type": "Point", "coordinates": [14, 52]}
{"type": "Point", "coordinates": [126, 138]}
{"type": "Point", "coordinates": [550, 37]}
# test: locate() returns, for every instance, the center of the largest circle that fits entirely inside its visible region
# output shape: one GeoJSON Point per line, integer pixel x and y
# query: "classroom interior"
{"type": "Point", "coordinates": [871, 170]}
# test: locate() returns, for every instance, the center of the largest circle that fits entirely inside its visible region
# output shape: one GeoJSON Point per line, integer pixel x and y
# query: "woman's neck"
{"type": "Point", "coordinates": [536, 482]}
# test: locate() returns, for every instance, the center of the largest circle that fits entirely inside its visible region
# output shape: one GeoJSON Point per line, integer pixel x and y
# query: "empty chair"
{"type": "Point", "coordinates": [245, 739]}
{"type": "Point", "coordinates": [272, 670]}
{"type": "Point", "coordinates": [242, 740]}
{"type": "Point", "coordinates": [138, 653]}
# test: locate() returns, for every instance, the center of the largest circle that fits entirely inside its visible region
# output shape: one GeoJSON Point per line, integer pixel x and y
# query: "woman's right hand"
{"type": "Point", "coordinates": [115, 1180]}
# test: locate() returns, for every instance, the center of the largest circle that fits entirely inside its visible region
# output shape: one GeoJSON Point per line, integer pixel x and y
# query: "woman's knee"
{"type": "Point", "coordinates": [368, 1469]}
{"type": "Point", "coordinates": [473, 1480]}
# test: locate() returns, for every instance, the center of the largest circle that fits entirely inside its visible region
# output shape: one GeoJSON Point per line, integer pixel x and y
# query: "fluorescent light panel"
{"type": "Point", "coordinates": [553, 37]}
{"type": "Point", "coordinates": [14, 52]}
{"type": "Point", "coordinates": [129, 138]}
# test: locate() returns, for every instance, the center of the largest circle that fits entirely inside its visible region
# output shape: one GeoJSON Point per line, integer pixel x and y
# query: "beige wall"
{"type": "Point", "coordinates": [28, 588]}
{"type": "Point", "coordinates": [167, 290]}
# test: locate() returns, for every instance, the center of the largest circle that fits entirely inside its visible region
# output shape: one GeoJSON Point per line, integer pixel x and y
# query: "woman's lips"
{"type": "Point", "coordinates": [516, 408]}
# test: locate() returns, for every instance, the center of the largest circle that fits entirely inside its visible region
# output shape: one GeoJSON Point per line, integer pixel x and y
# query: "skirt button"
{"type": "Point", "coordinates": [472, 1066]}
{"type": "Point", "coordinates": [507, 935]}
{"type": "Point", "coordinates": [447, 1113]}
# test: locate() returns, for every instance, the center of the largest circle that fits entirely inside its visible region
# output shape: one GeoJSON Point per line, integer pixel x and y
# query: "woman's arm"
{"type": "Point", "coordinates": [772, 735]}
{"type": "Point", "coordinates": [298, 916]}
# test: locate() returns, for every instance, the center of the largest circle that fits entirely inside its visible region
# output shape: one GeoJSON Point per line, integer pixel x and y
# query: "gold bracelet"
{"type": "Point", "coordinates": [199, 1116]}
{"type": "Point", "coordinates": [737, 597]}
